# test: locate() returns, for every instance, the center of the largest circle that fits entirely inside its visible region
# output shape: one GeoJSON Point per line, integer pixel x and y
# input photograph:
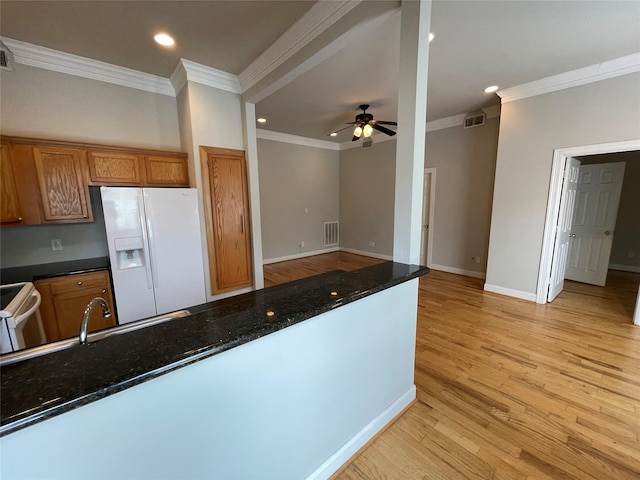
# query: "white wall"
{"type": "Point", "coordinates": [367, 197]}
{"type": "Point", "coordinates": [293, 404]}
{"type": "Point", "coordinates": [45, 104]}
{"type": "Point", "coordinates": [294, 178]}
{"type": "Point", "coordinates": [465, 167]}
{"type": "Point", "coordinates": [530, 129]}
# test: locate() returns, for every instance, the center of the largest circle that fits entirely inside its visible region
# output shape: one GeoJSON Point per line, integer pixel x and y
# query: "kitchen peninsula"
{"type": "Point", "coordinates": [285, 382]}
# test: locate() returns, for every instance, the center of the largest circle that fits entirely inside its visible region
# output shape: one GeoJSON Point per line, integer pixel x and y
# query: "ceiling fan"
{"type": "Point", "coordinates": [365, 124]}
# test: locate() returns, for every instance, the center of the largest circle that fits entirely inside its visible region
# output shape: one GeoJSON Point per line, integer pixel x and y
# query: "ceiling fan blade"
{"type": "Point", "coordinates": [382, 122]}
{"type": "Point", "coordinates": [338, 131]}
{"type": "Point", "coordinates": [383, 129]}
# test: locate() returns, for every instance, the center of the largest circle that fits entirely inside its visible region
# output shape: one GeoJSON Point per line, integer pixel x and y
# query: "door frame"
{"type": "Point", "coordinates": [432, 210]}
{"type": "Point", "coordinates": [560, 156]}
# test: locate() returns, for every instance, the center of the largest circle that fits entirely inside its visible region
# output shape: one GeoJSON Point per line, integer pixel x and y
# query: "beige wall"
{"type": "Point", "coordinates": [367, 196]}
{"type": "Point", "coordinates": [530, 130]}
{"type": "Point", "coordinates": [44, 104]}
{"type": "Point", "coordinates": [627, 233]}
{"type": "Point", "coordinates": [465, 166]}
{"type": "Point", "coordinates": [292, 178]}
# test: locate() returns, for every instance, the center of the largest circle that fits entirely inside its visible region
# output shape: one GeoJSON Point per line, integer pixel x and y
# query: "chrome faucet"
{"type": "Point", "coordinates": [84, 326]}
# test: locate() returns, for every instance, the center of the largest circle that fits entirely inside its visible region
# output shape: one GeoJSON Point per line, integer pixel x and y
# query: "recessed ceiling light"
{"type": "Point", "coordinates": [491, 89]}
{"type": "Point", "coordinates": [164, 39]}
{"type": "Point", "coordinates": [431, 37]}
{"type": "Point", "coordinates": [333, 134]}
{"type": "Point", "coordinates": [262, 120]}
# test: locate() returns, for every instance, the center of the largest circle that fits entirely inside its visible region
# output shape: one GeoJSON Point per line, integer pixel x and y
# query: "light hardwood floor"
{"type": "Point", "coordinates": [508, 389]}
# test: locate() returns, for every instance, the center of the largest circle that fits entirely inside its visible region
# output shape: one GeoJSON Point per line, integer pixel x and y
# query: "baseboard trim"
{"type": "Point", "coordinates": [295, 256]}
{"type": "Point", "coordinates": [624, 268]}
{"type": "Point", "coordinates": [367, 254]}
{"type": "Point", "coordinates": [458, 271]}
{"type": "Point", "coordinates": [510, 292]}
{"type": "Point", "coordinates": [359, 440]}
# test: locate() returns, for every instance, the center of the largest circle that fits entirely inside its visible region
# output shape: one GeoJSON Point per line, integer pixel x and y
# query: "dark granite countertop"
{"type": "Point", "coordinates": [29, 273]}
{"type": "Point", "coordinates": [41, 387]}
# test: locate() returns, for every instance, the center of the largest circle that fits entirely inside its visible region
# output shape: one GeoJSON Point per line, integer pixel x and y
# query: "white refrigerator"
{"type": "Point", "coordinates": [155, 250]}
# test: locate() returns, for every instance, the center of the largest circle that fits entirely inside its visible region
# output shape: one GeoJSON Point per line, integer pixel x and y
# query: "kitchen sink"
{"type": "Point", "coordinates": [91, 338]}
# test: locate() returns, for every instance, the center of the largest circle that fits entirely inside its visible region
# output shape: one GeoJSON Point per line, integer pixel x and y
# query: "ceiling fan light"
{"type": "Point", "coordinates": [367, 130]}
{"type": "Point", "coordinates": [358, 131]}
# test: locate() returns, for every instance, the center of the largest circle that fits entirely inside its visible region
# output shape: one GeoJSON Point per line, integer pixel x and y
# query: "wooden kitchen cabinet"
{"type": "Point", "coordinates": [65, 298]}
{"type": "Point", "coordinates": [63, 189]}
{"type": "Point", "coordinates": [108, 168]}
{"type": "Point", "coordinates": [224, 178]}
{"type": "Point", "coordinates": [10, 212]}
{"type": "Point", "coordinates": [167, 171]}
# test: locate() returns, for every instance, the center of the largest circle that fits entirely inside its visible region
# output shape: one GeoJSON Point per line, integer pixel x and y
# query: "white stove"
{"type": "Point", "coordinates": [20, 322]}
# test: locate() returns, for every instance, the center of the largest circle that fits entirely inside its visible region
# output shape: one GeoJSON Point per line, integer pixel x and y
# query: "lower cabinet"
{"type": "Point", "coordinates": [65, 298]}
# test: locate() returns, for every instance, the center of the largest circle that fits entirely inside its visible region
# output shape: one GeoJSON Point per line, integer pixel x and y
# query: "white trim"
{"type": "Point", "coordinates": [210, 76]}
{"type": "Point", "coordinates": [315, 21]}
{"type": "Point", "coordinates": [54, 60]}
{"type": "Point", "coordinates": [458, 271]}
{"type": "Point", "coordinates": [178, 78]}
{"type": "Point", "coordinates": [624, 268]}
{"type": "Point", "coordinates": [360, 439]}
{"type": "Point", "coordinates": [458, 120]}
{"type": "Point", "coordinates": [553, 203]}
{"type": "Point", "coordinates": [295, 256]}
{"type": "Point", "coordinates": [581, 76]}
{"type": "Point", "coordinates": [432, 212]}
{"type": "Point", "coordinates": [364, 253]}
{"type": "Point", "coordinates": [296, 140]}
{"type": "Point", "coordinates": [531, 297]}
{"type": "Point", "coordinates": [377, 138]}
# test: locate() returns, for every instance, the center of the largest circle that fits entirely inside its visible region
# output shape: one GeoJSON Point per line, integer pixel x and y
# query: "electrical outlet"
{"type": "Point", "coordinates": [372, 244]}
{"type": "Point", "coordinates": [301, 244]}
{"type": "Point", "coordinates": [56, 244]}
{"type": "Point", "coordinates": [631, 254]}
{"type": "Point", "coordinates": [473, 259]}
{"type": "Point", "coordinates": [478, 259]}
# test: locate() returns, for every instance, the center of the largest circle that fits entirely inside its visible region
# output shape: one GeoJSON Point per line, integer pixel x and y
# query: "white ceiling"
{"type": "Point", "coordinates": [478, 43]}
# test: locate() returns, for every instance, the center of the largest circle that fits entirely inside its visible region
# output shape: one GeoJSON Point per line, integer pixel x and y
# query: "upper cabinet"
{"type": "Point", "coordinates": [63, 190]}
{"type": "Point", "coordinates": [47, 181]}
{"type": "Point", "coordinates": [114, 168]}
{"type": "Point", "coordinates": [167, 171]}
{"type": "Point", "coordinates": [10, 212]}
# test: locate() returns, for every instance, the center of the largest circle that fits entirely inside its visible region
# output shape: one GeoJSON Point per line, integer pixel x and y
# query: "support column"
{"type": "Point", "coordinates": [251, 147]}
{"type": "Point", "coordinates": [412, 124]}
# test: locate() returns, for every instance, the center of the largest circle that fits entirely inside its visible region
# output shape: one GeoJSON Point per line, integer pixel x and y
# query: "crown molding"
{"type": "Point", "coordinates": [582, 76]}
{"type": "Point", "coordinates": [446, 122]}
{"type": "Point", "coordinates": [377, 138]}
{"type": "Point", "coordinates": [212, 77]}
{"type": "Point", "coordinates": [295, 139]}
{"type": "Point", "coordinates": [315, 21]}
{"type": "Point", "coordinates": [49, 59]}
{"type": "Point", "coordinates": [178, 77]}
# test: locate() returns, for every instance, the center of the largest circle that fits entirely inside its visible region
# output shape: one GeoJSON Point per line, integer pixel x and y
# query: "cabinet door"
{"type": "Point", "coordinates": [228, 236]}
{"type": "Point", "coordinates": [168, 171]}
{"type": "Point", "coordinates": [111, 167]}
{"type": "Point", "coordinates": [10, 207]}
{"type": "Point", "coordinates": [62, 187]}
{"type": "Point", "coordinates": [64, 300]}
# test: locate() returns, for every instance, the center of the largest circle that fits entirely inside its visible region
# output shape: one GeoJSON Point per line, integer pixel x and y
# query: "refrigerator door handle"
{"type": "Point", "coordinates": [152, 250]}
{"type": "Point", "coordinates": [145, 239]}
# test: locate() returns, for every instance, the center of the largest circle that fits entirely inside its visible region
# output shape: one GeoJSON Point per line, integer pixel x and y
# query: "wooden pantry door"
{"type": "Point", "coordinates": [224, 178]}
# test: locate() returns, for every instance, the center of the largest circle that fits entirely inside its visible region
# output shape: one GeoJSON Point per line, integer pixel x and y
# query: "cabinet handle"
{"type": "Point", "coordinates": [79, 283]}
{"type": "Point", "coordinates": [86, 216]}
{"type": "Point", "coordinates": [19, 219]}
{"type": "Point", "coordinates": [104, 290]}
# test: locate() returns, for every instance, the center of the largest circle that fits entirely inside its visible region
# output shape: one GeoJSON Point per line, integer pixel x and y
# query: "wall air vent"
{"type": "Point", "coordinates": [6, 58]}
{"type": "Point", "coordinates": [331, 236]}
{"type": "Point", "coordinates": [367, 143]}
{"type": "Point", "coordinates": [475, 120]}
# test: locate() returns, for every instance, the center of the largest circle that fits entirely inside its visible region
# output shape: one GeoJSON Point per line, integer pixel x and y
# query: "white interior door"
{"type": "Point", "coordinates": [563, 229]}
{"type": "Point", "coordinates": [594, 221]}
{"type": "Point", "coordinates": [426, 204]}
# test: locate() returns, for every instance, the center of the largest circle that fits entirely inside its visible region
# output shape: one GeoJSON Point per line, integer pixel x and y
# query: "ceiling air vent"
{"type": "Point", "coordinates": [6, 58]}
{"type": "Point", "coordinates": [475, 120]}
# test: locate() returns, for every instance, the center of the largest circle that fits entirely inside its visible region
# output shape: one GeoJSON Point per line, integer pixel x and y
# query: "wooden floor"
{"type": "Point", "coordinates": [508, 389]}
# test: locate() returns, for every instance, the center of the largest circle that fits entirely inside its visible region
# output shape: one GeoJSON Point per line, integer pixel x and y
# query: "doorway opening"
{"type": "Point", "coordinates": [428, 213]}
{"type": "Point", "coordinates": [557, 210]}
